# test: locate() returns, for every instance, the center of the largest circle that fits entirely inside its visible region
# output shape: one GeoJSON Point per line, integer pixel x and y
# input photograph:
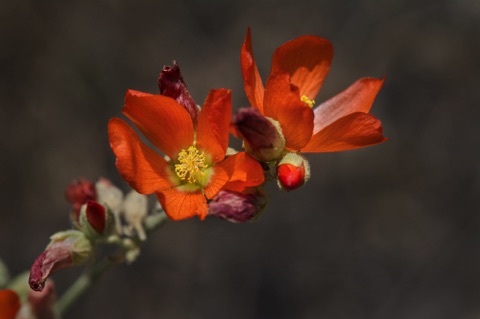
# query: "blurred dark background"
{"type": "Point", "coordinates": [391, 231]}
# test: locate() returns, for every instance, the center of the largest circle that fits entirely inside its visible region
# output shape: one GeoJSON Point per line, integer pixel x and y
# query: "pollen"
{"type": "Point", "coordinates": [307, 101]}
{"type": "Point", "coordinates": [191, 164]}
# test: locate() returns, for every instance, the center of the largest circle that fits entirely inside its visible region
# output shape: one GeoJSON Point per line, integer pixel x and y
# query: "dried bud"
{"type": "Point", "coordinates": [9, 304]}
{"type": "Point", "coordinates": [238, 207]}
{"type": "Point", "coordinates": [108, 194]}
{"type": "Point", "coordinates": [292, 172]}
{"type": "Point", "coordinates": [263, 136]}
{"type": "Point", "coordinates": [66, 249]}
{"type": "Point", "coordinates": [171, 84]}
{"type": "Point", "coordinates": [78, 192]}
{"type": "Point", "coordinates": [135, 211]}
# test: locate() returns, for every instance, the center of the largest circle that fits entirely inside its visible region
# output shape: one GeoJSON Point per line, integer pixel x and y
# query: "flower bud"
{"type": "Point", "coordinates": [238, 207]}
{"type": "Point", "coordinates": [292, 172]}
{"type": "Point", "coordinates": [262, 136]}
{"type": "Point", "coordinates": [77, 193]}
{"type": "Point", "coordinates": [9, 304]}
{"type": "Point", "coordinates": [96, 220]}
{"type": "Point", "coordinates": [171, 84]}
{"type": "Point", "coordinates": [135, 211]}
{"type": "Point", "coordinates": [66, 249]}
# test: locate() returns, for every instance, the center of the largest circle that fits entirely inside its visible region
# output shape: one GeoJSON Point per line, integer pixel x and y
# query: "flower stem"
{"type": "Point", "coordinates": [81, 286]}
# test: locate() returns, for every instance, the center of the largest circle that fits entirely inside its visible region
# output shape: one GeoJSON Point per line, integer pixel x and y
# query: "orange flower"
{"type": "Point", "coordinates": [196, 168]}
{"type": "Point", "coordinates": [298, 70]}
{"type": "Point", "coordinates": [9, 304]}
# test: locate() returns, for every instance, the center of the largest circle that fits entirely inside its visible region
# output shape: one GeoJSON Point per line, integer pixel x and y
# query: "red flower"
{"type": "Point", "coordinates": [9, 304]}
{"type": "Point", "coordinates": [196, 168]}
{"type": "Point", "coordinates": [298, 70]}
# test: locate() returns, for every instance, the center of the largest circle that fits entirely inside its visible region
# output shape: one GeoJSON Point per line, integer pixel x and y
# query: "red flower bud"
{"type": "Point", "coordinates": [171, 84]}
{"type": "Point", "coordinates": [238, 207]}
{"type": "Point", "coordinates": [9, 304]}
{"type": "Point", "coordinates": [262, 136]}
{"type": "Point", "coordinates": [78, 192]}
{"type": "Point", "coordinates": [292, 172]}
{"type": "Point", "coordinates": [66, 249]}
{"type": "Point", "coordinates": [96, 216]}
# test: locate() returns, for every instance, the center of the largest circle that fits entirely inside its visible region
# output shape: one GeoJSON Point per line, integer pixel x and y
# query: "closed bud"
{"type": "Point", "coordinates": [238, 207]}
{"type": "Point", "coordinates": [78, 192]}
{"type": "Point", "coordinates": [262, 136]}
{"type": "Point", "coordinates": [171, 84]}
{"type": "Point", "coordinates": [66, 249]}
{"type": "Point", "coordinates": [96, 221]}
{"type": "Point", "coordinates": [292, 171]}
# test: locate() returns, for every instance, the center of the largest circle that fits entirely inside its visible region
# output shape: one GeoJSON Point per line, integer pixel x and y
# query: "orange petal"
{"type": "Point", "coordinates": [307, 59]}
{"type": "Point", "coordinates": [235, 173]}
{"type": "Point", "coordinates": [144, 169]}
{"type": "Point", "coordinates": [352, 131]}
{"type": "Point", "coordinates": [9, 304]}
{"type": "Point", "coordinates": [358, 97]}
{"type": "Point", "coordinates": [181, 205]}
{"type": "Point", "coordinates": [162, 120]}
{"type": "Point", "coordinates": [251, 77]}
{"type": "Point", "coordinates": [218, 180]}
{"type": "Point", "coordinates": [282, 103]}
{"type": "Point", "coordinates": [214, 124]}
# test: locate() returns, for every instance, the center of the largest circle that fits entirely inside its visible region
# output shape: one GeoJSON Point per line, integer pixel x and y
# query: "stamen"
{"type": "Point", "coordinates": [192, 164]}
{"type": "Point", "coordinates": [307, 101]}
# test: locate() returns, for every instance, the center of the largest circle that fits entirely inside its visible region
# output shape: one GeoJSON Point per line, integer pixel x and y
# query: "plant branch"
{"type": "Point", "coordinates": [81, 286]}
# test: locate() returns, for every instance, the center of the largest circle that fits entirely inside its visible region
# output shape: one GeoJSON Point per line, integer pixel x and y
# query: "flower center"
{"type": "Point", "coordinates": [191, 164]}
{"type": "Point", "coordinates": [307, 101]}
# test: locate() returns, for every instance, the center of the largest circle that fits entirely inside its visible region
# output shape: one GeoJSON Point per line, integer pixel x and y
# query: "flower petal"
{"type": "Point", "coordinates": [162, 120]}
{"type": "Point", "coordinates": [181, 205]}
{"type": "Point", "coordinates": [358, 97]}
{"type": "Point", "coordinates": [251, 77]}
{"type": "Point", "coordinates": [235, 173]}
{"type": "Point", "coordinates": [307, 59]}
{"type": "Point", "coordinates": [282, 103]}
{"type": "Point", "coordinates": [218, 180]}
{"type": "Point", "coordinates": [9, 304]}
{"type": "Point", "coordinates": [144, 169]}
{"type": "Point", "coordinates": [214, 124]}
{"type": "Point", "coordinates": [352, 131]}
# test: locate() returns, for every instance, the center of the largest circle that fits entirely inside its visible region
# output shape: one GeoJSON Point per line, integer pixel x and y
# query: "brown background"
{"type": "Point", "coordinates": [391, 231]}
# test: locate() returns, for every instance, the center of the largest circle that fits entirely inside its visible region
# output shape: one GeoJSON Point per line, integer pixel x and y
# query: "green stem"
{"type": "Point", "coordinates": [81, 286]}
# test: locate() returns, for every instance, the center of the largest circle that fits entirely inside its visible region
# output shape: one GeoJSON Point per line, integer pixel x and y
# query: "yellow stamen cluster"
{"type": "Point", "coordinates": [192, 164]}
{"type": "Point", "coordinates": [307, 101]}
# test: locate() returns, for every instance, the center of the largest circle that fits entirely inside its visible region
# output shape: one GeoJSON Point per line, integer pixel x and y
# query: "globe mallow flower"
{"type": "Point", "coordinates": [196, 167]}
{"type": "Point", "coordinates": [9, 304]}
{"type": "Point", "coordinates": [298, 70]}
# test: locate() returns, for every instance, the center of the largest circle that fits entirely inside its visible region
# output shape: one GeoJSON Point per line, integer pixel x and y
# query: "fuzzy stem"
{"type": "Point", "coordinates": [81, 286]}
